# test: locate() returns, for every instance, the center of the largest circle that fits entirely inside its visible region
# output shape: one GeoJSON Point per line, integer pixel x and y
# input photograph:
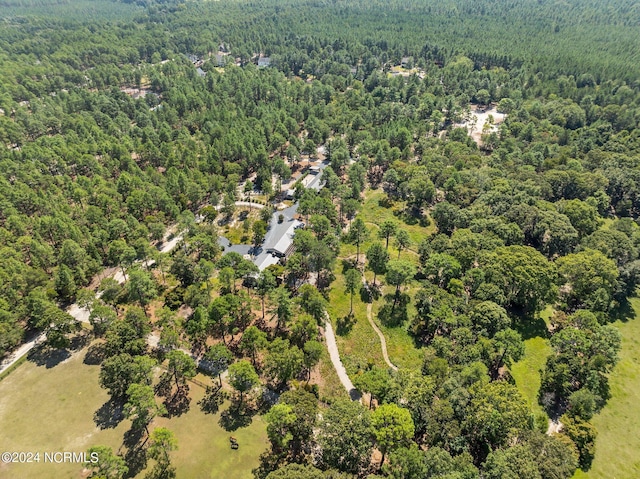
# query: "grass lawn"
{"type": "Point", "coordinates": [359, 346]}
{"type": "Point", "coordinates": [374, 214]}
{"type": "Point", "coordinates": [526, 372]}
{"type": "Point", "coordinates": [618, 442]}
{"type": "Point", "coordinates": [52, 409]}
{"type": "Point", "coordinates": [234, 231]}
{"type": "Point", "coordinates": [400, 345]}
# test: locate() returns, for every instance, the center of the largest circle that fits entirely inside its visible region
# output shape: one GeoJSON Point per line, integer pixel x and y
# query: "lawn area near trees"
{"type": "Point", "coordinates": [358, 343]}
{"type": "Point", "coordinates": [400, 345]}
{"type": "Point", "coordinates": [375, 211]}
{"type": "Point", "coordinates": [65, 398]}
{"type": "Point", "coordinates": [526, 372]}
{"type": "Point", "coordinates": [618, 441]}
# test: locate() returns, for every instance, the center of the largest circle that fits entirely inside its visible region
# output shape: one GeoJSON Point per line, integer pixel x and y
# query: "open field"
{"type": "Point", "coordinates": [618, 441]}
{"type": "Point", "coordinates": [52, 409]}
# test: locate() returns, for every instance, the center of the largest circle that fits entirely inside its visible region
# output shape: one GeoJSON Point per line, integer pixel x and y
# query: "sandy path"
{"type": "Point", "coordinates": [554, 427]}
{"type": "Point", "coordinates": [21, 351]}
{"type": "Point", "coordinates": [79, 313]}
{"type": "Point", "coordinates": [383, 342]}
{"type": "Point", "coordinates": [332, 346]}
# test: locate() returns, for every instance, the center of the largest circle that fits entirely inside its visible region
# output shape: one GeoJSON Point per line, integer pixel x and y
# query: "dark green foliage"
{"type": "Point", "coordinates": [93, 172]}
{"type": "Point", "coordinates": [583, 435]}
{"type": "Point", "coordinates": [344, 437]}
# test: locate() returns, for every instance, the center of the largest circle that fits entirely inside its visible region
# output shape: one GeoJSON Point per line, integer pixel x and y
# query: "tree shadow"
{"type": "Point", "coordinates": [179, 402]}
{"type": "Point", "coordinates": [348, 264]}
{"type": "Point", "coordinates": [213, 398]}
{"type": "Point", "coordinates": [48, 357]}
{"type": "Point", "coordinates": [161, 471]}
{"type": "Point", "coordinates": [109, 415]}
{"type": "Point", "coordinates": [132, 439]}
{"type": "Point", "coordinates": [355, 395]}
{"type": "Point", "coordinates": [79, 341]}
{"type": "Point", "coordinates": [344, 324]}
{"type": "Point", "coordinates": [393, 317]}
{"type": "Point", "coordinates": [531, 327]}
{"type": "Point", "coordinates": [95, 355]}
{"type": "Point", "coordinates": [235, 418]}
{"type": "Point", "coordinates": [623, 312]}
{"type": "Point", "coordinates": [164, 386]}
{"type": "Point", "coordinates": [370, 293]}
{"type": "Point", "coordinates": [136, 460]}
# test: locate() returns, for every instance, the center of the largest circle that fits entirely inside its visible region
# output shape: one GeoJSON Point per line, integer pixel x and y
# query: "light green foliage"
{"type": "Point", "coordinates": [525, 276]}
{"type": "Point", "coordinates": [280, 420]}
{"type": "Point", "coordinates": [243, 377]}
{"type": "Point", "coordinates": [141, 406]}
{"type": "Point", "coordinates": [392, 427]}
{"type": "Point", "coordinates": [589, 279]}
{"type": "Point", "coordinates": [117, 373]}
{"type": "Point", "coordinates": [583, 435]}
{"type": "Point", "coordinates": [296, 471]}
{"type": "Point", "coordinates": [352, 282]}
{"type": "Point", "coordinates": [377, 258]}
{"type": "Point", "coordinates": [496, 412]}
{"type": "Point", "coordinates": [181, 366]}
{"type": "Point", "coordinates": [283, 361]}
{"type": "Point", "coordinates": [161, 442]}
{"type": "Point", "coordinates": [108, 464]}
{"type": "Point", "coordinates": [516, 462]}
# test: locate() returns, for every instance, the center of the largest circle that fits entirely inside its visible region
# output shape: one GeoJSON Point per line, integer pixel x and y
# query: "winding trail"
{"type": "Point", "coordinates": [383, 341]}
{"type": "Point", "coordinates": [332, 346]}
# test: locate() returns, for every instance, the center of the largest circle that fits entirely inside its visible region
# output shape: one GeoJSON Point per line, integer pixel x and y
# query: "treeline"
{"type": "Point", "coordinates": [543, 212]}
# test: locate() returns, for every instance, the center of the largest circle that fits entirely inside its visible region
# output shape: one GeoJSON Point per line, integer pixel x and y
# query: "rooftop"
{"type": "Point", "coordinates": [280, 235]}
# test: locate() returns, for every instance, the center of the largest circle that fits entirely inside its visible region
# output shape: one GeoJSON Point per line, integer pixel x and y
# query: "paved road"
{"type": "Point", "coordinates": [383, 341]}
{"type": "Point", "coordinates": [21, 351]}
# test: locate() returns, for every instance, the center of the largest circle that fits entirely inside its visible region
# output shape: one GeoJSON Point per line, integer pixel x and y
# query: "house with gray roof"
{"type": "Point", "coordinates": [264, 62]}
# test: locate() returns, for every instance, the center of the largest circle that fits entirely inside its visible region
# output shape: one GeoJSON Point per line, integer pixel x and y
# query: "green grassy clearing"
{"type": "Point", "coordinates": [374, 214]}
{"type": "Point", "coordinates": [52, 410]}
{"type": "Point", "coordinates": [526, 372]}
{"type": "Point", "coordinates": [360, 345]}
{"type": "Point", "coordinates": [400, 345]}
{"type": "Point", "coordinates": [618, 423]}
{"type": "Point", "coordinates": [236, 233]}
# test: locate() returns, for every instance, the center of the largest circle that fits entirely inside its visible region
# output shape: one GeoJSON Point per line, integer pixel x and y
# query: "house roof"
{"type": "Point", "coordinates": [264, 61]}
{"type": "Point", "coordinates": [280, 236]}
{"type": "Point", "coordinates": [316, 183]}
{"type": "Point", "coordinates": [264, 260]}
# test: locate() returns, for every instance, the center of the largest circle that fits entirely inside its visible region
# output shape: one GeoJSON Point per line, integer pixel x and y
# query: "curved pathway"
{"type": "Point", "coordinates": [383, 341]}
{"type": "Point", "coordinates": [332, 346]}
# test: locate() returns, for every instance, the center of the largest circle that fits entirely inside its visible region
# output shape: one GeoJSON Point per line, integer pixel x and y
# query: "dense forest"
{"type": "Point", "coordinates": [124, 121]}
